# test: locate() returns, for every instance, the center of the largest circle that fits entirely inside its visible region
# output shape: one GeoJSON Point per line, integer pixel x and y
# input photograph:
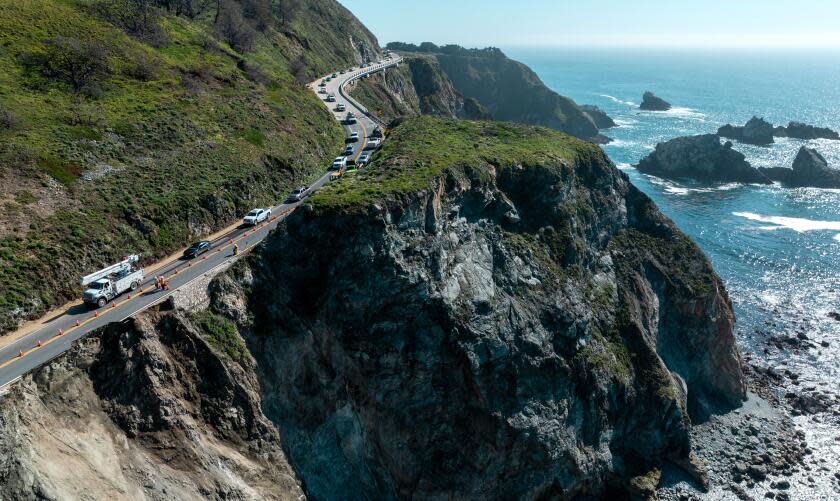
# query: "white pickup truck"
{"type": "Point", "coordinates": [108, 283]}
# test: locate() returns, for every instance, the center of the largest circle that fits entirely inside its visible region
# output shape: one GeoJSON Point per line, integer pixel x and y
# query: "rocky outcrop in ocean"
{"type": "Point", "coordinates": [810, 169]}
{"type": "Point", "coordinates": [799, 130]}
{"type": "Point", "coordinates": [650, 102]}
{"type": "Point", "coordinates": [702, 158]}
{"type": "Point", "coordinates": [759, 131]}
{"type": "Point", "coordinates": [755, 131]}
{"type": "Point", "coordinates": [598, 116]}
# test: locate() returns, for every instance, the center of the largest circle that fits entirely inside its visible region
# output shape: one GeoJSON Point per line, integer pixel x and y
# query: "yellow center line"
{"type": "Point", "coordinates": [131, 297]}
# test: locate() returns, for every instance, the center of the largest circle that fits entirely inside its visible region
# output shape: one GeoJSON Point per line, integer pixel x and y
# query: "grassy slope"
{"type": "Point", "coordinates": [424, 147]}
{"type": "Point", "coordinates": [196, 145]}
{"type": "Point", "coordinates": [322, 32]}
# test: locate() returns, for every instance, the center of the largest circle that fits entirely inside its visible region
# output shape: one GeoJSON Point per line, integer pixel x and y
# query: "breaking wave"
{"type": "Point", "coordinates": [797, 224]}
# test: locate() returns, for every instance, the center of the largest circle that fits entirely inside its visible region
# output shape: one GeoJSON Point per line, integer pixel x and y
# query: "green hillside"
{"type": "Point", "coordinates": [137, 126]}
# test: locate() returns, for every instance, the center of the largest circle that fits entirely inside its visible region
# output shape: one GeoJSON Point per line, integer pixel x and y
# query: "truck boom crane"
{"type": "Point", "coordinates": [111, 281]}
{"type": "Point", "coordinates": [123, 266]}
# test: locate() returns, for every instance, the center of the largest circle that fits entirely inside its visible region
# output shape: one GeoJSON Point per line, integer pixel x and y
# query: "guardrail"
{"type": "Point", "coordinates": [359, 74]}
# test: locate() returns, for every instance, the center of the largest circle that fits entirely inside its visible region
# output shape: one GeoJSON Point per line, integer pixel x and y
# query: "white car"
{"type": "Point", "coordinates": [363, 160]}
{"type": "Point", "coordinates": [340, 107]}
{"type": "Point", "coordinates": [256, 216]}
{"type": "Point", "coordinates": [372, 144]}
{"type": "Point", "coordinates": [339, 163]}
{"type": "Point", "coordinates": [331, 98]}
{"type": "Point", "coordinates": [352, 138]}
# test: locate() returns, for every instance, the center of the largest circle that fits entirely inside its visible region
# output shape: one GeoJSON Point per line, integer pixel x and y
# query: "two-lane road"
{"type": "Point", "coordinates": [57, 335]}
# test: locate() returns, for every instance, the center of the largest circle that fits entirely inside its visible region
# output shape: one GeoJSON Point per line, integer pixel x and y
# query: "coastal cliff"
{"type": "Point", "coordinates": [418, 86]}
{"type": "Point", "coordinates": [505, 316]}
{"type": "Point", "coordinates": [491, 86]}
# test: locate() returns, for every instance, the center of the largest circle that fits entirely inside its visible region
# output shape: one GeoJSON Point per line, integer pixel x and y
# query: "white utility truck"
{"type": "Point", "coordinates": [108, 283]}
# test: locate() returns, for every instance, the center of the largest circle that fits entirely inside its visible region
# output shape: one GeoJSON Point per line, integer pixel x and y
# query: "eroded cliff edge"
{"type": "Point", "coordinates": [503, 315]}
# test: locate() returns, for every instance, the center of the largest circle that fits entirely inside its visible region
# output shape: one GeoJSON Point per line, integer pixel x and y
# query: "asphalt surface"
{"type": "Point", "coordinates": [58, 334]}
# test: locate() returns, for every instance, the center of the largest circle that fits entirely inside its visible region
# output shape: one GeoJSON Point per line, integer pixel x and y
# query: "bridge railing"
{"type": "Point", "coordinates": [359, 74]}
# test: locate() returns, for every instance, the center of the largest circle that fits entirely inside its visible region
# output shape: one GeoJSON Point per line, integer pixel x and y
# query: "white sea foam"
{"type": "Point", "coordinates": [796, 224]}
{"type": "Point", "coordinates": [624, 166]}
{"type": "Point", "coordinates": [676, 189]}
{"type": "Point", "coordinates": [837, 237]}
{"type": "Point", "coordinates": [621, 143]}
{"type": "Point", "coordinates": [625, 123]}
{"type": "Point", "coordinates": [619, 101]}
{"type": "Point", "coordinates": [685, 113]}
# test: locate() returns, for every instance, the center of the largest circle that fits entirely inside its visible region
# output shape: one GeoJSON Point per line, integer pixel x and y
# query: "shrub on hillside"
{"type": "Point", "coordinates": [232, 27]}
{"type": "Point", "coordinates": [258, 12]}
{"type": "Point", "coordinates": [78, 63]}
{"type": "Point", "coordinates": [8, 119]}
{"type": "Point", "coordinates": [138, 18]}
{"type": "Point", "coordinates": [143, 67]}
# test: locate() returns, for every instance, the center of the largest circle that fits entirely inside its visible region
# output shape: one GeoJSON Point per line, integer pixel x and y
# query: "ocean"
{"type": "Point", "coordinates": [777, 249]}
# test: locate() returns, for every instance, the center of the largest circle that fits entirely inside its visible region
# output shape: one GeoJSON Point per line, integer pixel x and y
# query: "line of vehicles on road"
{"type": "Point", "coordinates": [107, 283]}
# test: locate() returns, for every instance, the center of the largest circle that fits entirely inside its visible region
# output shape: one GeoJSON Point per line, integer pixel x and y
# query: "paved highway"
{"type": "Point", "coordinates": [58, 333]}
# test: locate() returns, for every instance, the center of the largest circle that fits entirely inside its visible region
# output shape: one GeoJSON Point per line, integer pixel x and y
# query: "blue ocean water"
{"type": "Point", "coordinates": [777, 249]}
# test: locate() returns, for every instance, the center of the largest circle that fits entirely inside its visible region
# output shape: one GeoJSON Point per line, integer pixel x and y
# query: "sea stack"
{"type": "Point", "coordinates": [702, 158]}
{"type": "Point", "coordinates": [650, 102]}
{"type": "Point", "coordinates": [755, 131]}
{"type": "Point", "coordinates": [799, 130]}
{"type": "Point", "coordinates": [811, 169]}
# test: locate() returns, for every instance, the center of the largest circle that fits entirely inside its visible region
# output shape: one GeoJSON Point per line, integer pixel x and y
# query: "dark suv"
{"type": "Point", "coordinates": [197, 249]}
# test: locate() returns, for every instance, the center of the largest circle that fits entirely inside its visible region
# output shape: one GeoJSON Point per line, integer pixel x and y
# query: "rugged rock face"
{"type": "Point", "coordinates": [506, 319]}
{"type": "Point", "coordinates": [143, 410]}
{"type": "Point", "coordinates": [703, 158]}
{"type": "Point", "coordinates": [799, 130]}
{"type": "Point", "coordinates": [755, 131]}
{"type": "Point", "coordinates": [809, 169]}
{"type": "Point", "coordinates": [598, 116]}
{"type": "Point", "coordinates": [650, 102]}
{"type": "Point", "coordinates": [505, 89]}
{"type": "Point", "coordinates": [419, 86]}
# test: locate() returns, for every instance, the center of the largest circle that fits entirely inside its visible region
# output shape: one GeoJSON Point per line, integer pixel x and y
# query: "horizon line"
{"type": "Point", "coordinates": [632, 47]}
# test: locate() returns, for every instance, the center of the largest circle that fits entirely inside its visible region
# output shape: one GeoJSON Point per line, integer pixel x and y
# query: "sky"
{"type": "Point", "coordinates": [605, 23]}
